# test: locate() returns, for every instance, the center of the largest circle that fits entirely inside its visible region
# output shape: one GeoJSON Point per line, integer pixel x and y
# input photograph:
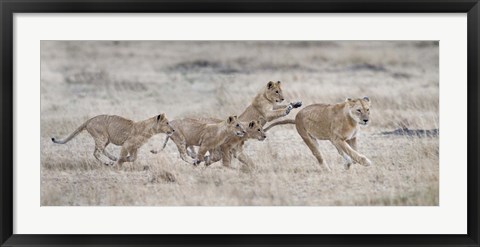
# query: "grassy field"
{"type": "Point", "coordinates": [137, 80]}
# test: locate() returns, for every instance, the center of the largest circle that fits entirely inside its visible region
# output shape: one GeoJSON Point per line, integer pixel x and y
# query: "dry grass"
{"type": "Point", "coordinates": [140, 79]}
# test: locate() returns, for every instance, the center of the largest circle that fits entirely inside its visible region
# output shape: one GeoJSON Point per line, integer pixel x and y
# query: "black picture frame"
{"type": "Point", "coordinates": [9, 7]}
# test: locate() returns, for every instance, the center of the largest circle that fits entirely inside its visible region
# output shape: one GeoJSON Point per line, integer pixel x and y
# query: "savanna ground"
{"type": "Point", "coordinates": [137, 80]}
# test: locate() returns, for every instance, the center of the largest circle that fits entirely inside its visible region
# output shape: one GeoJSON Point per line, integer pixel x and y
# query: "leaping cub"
{"type": "Point", "coordinates": [266, 105]}
{"type": "Point", "coordinates": [338, 123]}
{"type": "Point", "coordinates": [120, 131]}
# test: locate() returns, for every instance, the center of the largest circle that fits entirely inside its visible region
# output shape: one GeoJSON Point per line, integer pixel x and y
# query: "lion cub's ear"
{"type": "Point", "coordinates": [278, 82]}
{"type": "Point", "coordinates": [350, 101]}
{"type": "Point", "coordinates": [270, 84]}
{"type": "Point", "coordinates": [160, 117]}
{"type": "Point", "coordinates": [231, 119]}
{"type": "Point", "coordinates": [366, 98]}
{"type": "Point", "coordinates": [251, 124]}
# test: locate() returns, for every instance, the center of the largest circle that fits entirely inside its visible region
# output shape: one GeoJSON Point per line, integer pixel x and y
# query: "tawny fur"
{"type": "Point", "coordinates": [208, 136]}
{"type": "Point", "coordinates": [233, 146]}
{"type": "Point", "coordinates": [338, 123]}
{"type": "Point", "coordinates": [106, 129]}
{"type": "Point", "coordinates": [266, 105]}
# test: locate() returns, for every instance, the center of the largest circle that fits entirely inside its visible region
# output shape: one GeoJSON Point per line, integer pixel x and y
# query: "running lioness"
{"type": "Point", "coordinates": [338, 123]}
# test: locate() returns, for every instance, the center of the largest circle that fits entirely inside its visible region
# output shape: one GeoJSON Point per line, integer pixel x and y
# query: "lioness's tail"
{"type": "Point", "coordinates": [287, 121]}
{"type": "Point", "coordinates": [71, 136]}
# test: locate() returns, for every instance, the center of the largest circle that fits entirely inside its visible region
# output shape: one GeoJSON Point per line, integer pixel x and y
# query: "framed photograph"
{"type": "Point", "coordinates": [239, 123]}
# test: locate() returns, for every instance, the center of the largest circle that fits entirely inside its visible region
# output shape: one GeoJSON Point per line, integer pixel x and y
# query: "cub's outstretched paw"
{"type": "Point", "coordinates": [296, 104]}
{"type": "Point", "coordinates": [289, 108]}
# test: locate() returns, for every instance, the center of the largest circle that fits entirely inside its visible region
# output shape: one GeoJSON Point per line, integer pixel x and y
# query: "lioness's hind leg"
{"type": "Point", "coordinates": [312, 145]}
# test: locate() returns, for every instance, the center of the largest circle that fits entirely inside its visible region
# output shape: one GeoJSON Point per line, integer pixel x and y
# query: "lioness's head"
{"type": "Point", "coordinates": [255, 131]}
{"type": "Point", "coordinates": [359, 109]}
{"type": "Point", "coordinates": [162, 125]}
{"type": "Point", "coordinates": [235, 126]}
{"type": "Point", "coordinates": [274, 92]}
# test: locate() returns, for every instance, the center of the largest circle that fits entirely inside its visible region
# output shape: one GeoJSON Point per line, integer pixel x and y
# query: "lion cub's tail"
{"type": "Point", "coordinates": [71, 136]}
{"type": "Point", "coordinates": [155, 151]}
{"type": "Point", "coordinates": [165, 143]}
{"type": "Point", "coordinates": [287, 121]}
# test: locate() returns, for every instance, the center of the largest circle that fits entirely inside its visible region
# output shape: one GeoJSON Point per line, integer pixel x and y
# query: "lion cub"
{"type": "Point", "coordinates": [208, 136]}
{"type": "Point", "coordinates": [266, 107]}
{"type": "Point", "coordinates": [266, 104]}
{"type": "Point", "coordinates": [123, 132]}
{"type": "Point", "coordinates": [233, 146]}
{"type": "Point", "coordinates": [338, 123]}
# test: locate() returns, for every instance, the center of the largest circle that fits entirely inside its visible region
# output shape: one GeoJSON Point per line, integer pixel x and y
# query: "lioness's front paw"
{"type": "Point", "coordinates": [365, 161]}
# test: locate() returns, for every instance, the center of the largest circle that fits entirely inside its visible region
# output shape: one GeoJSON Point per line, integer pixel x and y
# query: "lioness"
{"type": "Point", "coordinates": [120, 131]}
{"type": "Point", "coordinates": [337, 123]}
{"type": "Point", "coordinates": [208, 136]}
